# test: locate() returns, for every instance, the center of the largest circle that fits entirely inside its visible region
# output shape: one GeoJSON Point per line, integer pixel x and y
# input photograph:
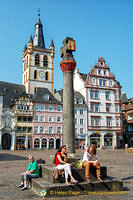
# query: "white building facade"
{"type": "Point", "coordinates": [103, 98]}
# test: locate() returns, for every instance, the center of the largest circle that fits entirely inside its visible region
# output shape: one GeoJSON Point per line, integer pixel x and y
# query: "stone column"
{"type": "Point", "coordinates": [12, 140]}
{"type": "Point", "coordinates": [47, 143]}
{"type": "Point", "coordinates": [40, 146]}
{"type": "Point", "coordinates": [54, 143]}
{"type": "Point", "coordinates": [68, 66]}
{"type": "Point", "coordinates": [102, 140]}
{"type": "Point", "coordinates": [0, 140]}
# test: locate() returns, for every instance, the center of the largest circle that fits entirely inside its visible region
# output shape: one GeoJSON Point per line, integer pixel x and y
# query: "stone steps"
{"type": "Point", "coordinates": [62, 190]}
{"type": "Point", "coordinates": [78, 173]}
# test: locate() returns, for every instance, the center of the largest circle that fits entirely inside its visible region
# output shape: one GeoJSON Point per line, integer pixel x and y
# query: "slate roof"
{"type": "Point", "coordinates": [77, 95]}
{"type": "Point", "coordinates": [83, 76]}
{"type": "Point", "coordinates": [10, 91]}
{"type": "Point", "coordinates": [38, 97]}
{"type": "Point", "coordinates": [124, 98]}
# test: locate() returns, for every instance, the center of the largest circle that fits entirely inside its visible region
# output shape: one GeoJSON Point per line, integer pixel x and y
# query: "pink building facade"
{"type": "Point", "coordinates": [47, 121]}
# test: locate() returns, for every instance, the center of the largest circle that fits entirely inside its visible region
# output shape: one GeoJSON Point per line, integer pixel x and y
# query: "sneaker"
{"type": "Point", "coordinates": [24, 188]}
{"type": "Point", "coordinates": [19, 186]}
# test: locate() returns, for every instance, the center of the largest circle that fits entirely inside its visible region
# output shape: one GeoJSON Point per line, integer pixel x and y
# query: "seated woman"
{"type": "Point", "coordinates": [32, 172]}
{"type": "Point", "coordinates": [61, 164]}
{"type": "Point", "coordinates": [90, 158]}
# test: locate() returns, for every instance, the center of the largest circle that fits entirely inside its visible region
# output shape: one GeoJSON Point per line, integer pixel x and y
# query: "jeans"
{"type": "Point", "coordinates": [26, 177]}
{"type": "Point", "coordinates": [66, 168]}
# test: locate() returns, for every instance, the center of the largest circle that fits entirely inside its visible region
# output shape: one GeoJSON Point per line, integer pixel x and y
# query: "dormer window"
{"type": "Point", "coordinates": [80, 101]}
{"type": "Point", "coordinates": [75, 101]}
{"type": "Point", "coordinates": [46, 97]}
{"type": "Point", "coordinates": [99, 71]}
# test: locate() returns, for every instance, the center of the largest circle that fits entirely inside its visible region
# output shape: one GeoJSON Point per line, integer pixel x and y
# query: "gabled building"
{"type": "Point", "coordinates": [103, 98]}
{"type": "Point", "coordinates": [47, 120]}
{"type": "Point", "coordinates": [80, 113]}
{"type": "Point", "coordinates": [9, 92]}
{"type": "Point", "coordinates": [127, 111]}
{"type": "Point", "coordinates": [38, 62]}
{"type": "Point", "coordinates": [22, 107]}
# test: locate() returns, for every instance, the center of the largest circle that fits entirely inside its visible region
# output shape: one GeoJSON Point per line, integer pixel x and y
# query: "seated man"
{"type": "Point", "coordinates": [90, 158]}
{"type": "Point", "coordinates": [32, 172]}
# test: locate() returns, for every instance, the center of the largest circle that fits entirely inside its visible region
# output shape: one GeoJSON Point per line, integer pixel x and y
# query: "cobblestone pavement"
{"type": "Point", "coordinates": [12, 163]}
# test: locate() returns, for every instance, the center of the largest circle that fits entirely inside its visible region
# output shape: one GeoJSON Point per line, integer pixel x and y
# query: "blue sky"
{"type": "Point", "coordinates": [100, 28]}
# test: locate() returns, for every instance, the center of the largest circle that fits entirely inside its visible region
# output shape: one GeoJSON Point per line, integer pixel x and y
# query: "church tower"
{"type": "Point", "coordinates": [38, 62]}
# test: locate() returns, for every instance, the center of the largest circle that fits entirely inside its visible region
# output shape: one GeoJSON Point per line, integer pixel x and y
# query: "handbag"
{"type": "Point", "coordinates": [79, 164]}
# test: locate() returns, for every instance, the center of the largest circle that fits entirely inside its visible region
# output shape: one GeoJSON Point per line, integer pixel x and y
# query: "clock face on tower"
{"type": "Point", "coordinates": [41, 74]}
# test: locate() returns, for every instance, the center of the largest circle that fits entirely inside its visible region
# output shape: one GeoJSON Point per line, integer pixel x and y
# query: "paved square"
{"type": "Point", "coordinates": [12, 163]}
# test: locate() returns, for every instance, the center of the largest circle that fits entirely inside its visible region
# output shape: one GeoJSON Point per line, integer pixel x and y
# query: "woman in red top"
{"type": "Point", "coordinates": [61, 164]}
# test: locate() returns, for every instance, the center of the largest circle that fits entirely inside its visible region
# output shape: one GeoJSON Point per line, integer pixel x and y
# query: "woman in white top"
{"type": "Point", "coordinates": [90, 158]}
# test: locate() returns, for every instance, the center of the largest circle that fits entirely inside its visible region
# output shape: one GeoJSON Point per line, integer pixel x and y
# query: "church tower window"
{"type": "Point", "coordinates": [37, 59]}
{"type": "Point", "coordinates": [35, 74]}
{"type": "Point", "coordinates": [45, 61]}
{"type": "Point", "coordinates": [46, 76]}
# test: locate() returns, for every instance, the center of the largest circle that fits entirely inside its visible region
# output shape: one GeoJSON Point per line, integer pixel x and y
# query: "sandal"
{"type": "Point", "coordinates": [67, 183]}
{"type": "Point", "coordinates": [74, 181]}
{"type": "Point", "coordinates": [100, 180]}
{"type": "Point", "coordinates": [88, 180]}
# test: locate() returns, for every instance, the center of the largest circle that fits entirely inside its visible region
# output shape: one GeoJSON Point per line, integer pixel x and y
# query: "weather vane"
{"type": "Point", "coordinates": [38, 12]}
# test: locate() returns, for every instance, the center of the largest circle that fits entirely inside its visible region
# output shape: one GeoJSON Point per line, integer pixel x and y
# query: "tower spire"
{"type": "Point", "coordinates": [38, 40]}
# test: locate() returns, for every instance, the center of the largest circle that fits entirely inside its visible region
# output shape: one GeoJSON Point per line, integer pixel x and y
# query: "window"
{"type": "Point", "coordinates": [95, 121]}
{"type": "Point", "coordinates": [107, 95]}
{"type": "Point", "coordinates": [81, 111]}
{"type": "Point", "coordinates": [108, 121]}
{"type": "Point", "coordinates": [75, 101]}
{"type": "Point", "coordinates": [46, 97]}
{"type": "Point", "coordinates": [59, 108]}
{"type": "Point", "coordinates": [37, 59]}
{"type": "Point", "coordinates": [41, 118]}
{"type": "Point", "coordinates": [107, 107]}
{"type": "Point", "coordinates": [45, 61]}
{"type": "Point", "coordinates": [94, 94]}
{"type": "Point", "coordinates": [81, 121]}
{"type": "Point", "coordinates": [75, 111]}
{"type": "Point", "coordinates": [42, 107]}
{"type": "Point", "coordinates": [35, 90]}
{"type": "Point", "coordinates": [50, 129]}
{"type": "Point", "coordinates": [29, 119]}
{"type": "Point", "coordinates": [99, 71]}
{"type": "Point", "coordinates": [100, 82]}
{"type": "Point", "coordinates": [18, 128]}
{"type": "Point", "coordinates": [104, 82]}
{"type": "Point", "coordinates": [35, 74]}
{"type": "Point", "coordinates": [81, 130]}
{"type": "Point", "coordinates": [116, 108]}
{"type": "Point", "coordinates": [75, 121]}
{"type": "Point", "coordinates": [116, 96]}
{"type": "Point", "coordinates": [36, 107]}
{"type": "Point", "coordinates": [24, 119]}
{"type": "Point", "coordinates": [41, 129]}
{"type": "Point", "coordinates": [104, 72]}
{"type": "Point", "coordinates": [46, 76]}
{"type": "Point", "coordinates": [80, 101]}
{"type": "Point", "coordinates": [50, 108]}
{"type": "Point", "coordinates": [58, 129]}
{"type": "Point", "coordinates": [58, 119]}
{"type": "Point", "coordinates": [50, 119]}
{"type": "Point", "coordinates": [19, 119]}
{"type": "Point", "coordinates": [76, 131]}
{"type": "Point", "coordinates": [24, 129]}
{"type": "Point", "coordinates": [35, 118]}
{"type": "Point", "coordinates": [92, 121]}
{"type": "Point", "coordinates": [117, 122]}
{"type": "Point", "coordinates": [29, 129]}
{"type": "Point", "coordinates": [94, 107]}
{"type": "Point", "coordinates": [35, 129]}
{"type": "Point", "coordinates": [93, 81]}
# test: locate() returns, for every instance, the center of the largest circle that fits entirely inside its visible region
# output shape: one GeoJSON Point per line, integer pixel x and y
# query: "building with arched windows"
{"type": "Point", "coordinates": [102, 94]}
{"type": "Point", "coordinates": [38, 62]}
